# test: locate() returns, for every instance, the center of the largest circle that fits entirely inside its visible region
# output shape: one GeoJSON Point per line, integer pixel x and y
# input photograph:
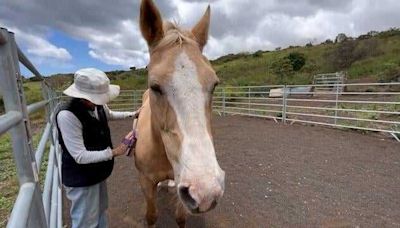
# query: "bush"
{"type": "Point", "coordinates": [389, 33]}
{"type": "Point", "coordinates": [367, 48]}
{"type": "Point", "coordinates": [283, 68]}
{"type": "Point", "coordinates": [343, 56]}
{"type": "Point", "coordinates": [341, 37]}
{"type": "Point", "coordinates": [298, 60]}
{"type": "Point", "coordinates": [257, 54]}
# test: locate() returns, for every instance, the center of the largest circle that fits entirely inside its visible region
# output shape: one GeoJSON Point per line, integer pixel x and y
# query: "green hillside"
{"type": "Point", "coordinates": [374, 57]}
{"type": "Point", "coordinates": [368, 58]}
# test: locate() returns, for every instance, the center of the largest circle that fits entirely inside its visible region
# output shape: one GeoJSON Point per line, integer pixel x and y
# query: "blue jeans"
{"type": "Point", "coordinates": [89, 205]}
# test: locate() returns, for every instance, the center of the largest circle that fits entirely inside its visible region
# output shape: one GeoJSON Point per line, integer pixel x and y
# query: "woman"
{"type": "Point", "coordinates": [87, 151]}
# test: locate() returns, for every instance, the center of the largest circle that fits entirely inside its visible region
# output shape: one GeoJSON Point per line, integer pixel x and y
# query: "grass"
{"type": "Point", "coordinates": [8, 181]}
{"type": "Point", "coordinates": [8, 175]}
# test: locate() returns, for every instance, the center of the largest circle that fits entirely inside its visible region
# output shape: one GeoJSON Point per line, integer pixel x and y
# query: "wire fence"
{"type": "Point", "coordinates": [35, 206]}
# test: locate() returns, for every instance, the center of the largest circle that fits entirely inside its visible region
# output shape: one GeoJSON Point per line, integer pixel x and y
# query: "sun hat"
{"type": "Point", "coordinates": [93, 85]}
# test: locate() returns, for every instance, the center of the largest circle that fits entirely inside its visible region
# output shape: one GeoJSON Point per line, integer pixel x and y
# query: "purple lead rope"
{"type": "Point", "coordinates": [131, 142]}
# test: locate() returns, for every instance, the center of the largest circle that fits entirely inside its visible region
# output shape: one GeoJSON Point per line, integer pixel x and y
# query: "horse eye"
{"type": "Point", "coordinates": [156, 88]}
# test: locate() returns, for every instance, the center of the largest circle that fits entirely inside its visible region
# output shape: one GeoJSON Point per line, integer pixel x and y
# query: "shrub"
{"type": "Point", "coordinates": [343, 56]}
{"type": "Point", "coordinates": [390, 32]}
{"type": "Point", "coordinates": [298, 60]}
{"type": "Point", "coordinates": [367, 48]}
{"type": "Point", "coordinates": [341, 37]}
{"type": "Point", "coordinates": [283, 68]}
{"type": "Point", "coordinates": [257, 54]}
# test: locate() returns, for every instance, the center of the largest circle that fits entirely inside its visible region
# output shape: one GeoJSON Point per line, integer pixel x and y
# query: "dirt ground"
{"type": "Point", "coordinates": [280, 176]}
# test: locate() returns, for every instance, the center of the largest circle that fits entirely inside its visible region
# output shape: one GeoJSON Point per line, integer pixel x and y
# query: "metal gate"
{"type": "Point", "coordinates": [34, 207]}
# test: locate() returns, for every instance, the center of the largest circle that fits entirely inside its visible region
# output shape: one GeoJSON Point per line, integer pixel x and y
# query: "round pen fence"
{"type": "Point", "coordinates": [359, 106]}
{"type": "Point", "coordinates": [35, 206]}
{"type": "Point", "coordinates": [365, 107]}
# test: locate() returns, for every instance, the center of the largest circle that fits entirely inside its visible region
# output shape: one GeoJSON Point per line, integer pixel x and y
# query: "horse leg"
{"type": "Point", "coordinates": [149, 189]}
{"type": "Point", "coordinates": [180, 214]}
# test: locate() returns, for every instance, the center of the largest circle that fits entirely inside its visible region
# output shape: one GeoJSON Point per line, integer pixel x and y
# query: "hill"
{"type": "Point", "coordinates": [373, 57]}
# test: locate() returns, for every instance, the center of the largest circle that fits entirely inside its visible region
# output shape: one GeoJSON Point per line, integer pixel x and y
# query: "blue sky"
{"type": "Point", "coordinates": [78, 49]}
{"type": "Point", "coordinates": [63, 36]}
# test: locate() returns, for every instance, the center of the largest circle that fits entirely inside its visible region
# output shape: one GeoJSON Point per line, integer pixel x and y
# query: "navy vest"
{"type": "Point", "coordinates": [96, 136]}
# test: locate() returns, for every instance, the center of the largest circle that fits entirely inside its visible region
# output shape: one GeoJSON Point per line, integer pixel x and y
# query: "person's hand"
{"type": "Point", "coordinates": [124, 146]}
{"type": "Point", "coordinates": [120, 150]}
{"type": "Point", "coordinates": [136, 113]}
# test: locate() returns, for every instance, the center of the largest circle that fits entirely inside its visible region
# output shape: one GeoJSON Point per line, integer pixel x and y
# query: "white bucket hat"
{"type": "Point", "coordinates": [93, 85]}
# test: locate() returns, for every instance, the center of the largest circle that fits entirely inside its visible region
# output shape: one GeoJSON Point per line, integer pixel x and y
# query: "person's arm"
{"type": "Point", "coordinates": [114, 115]}
{"type": "Point", "coordinates": [71, 131]}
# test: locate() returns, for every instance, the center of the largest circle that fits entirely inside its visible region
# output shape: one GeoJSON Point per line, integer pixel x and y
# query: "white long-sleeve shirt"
{"type": "Point", "coordinates": [71, 131]}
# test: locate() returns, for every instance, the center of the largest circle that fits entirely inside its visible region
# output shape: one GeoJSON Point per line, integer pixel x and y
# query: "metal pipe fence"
{"type": "Point", "coordinates": [31, 208]}
{"type": "Point", "coordinates": [363, 106]}
{"type": "Point", "coordinates": [359, 106]}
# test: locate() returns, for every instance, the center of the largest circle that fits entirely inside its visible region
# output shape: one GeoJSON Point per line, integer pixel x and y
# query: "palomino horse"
{"type": "Point", "coordinates": [174, 125]}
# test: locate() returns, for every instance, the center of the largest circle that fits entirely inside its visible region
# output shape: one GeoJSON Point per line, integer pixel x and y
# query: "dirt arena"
{"type": "Point", "coordinates": [280, 176]}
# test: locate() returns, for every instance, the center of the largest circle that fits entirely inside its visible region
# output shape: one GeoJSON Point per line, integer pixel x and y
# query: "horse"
{"type": "Point", "coordinates": [174, 125]}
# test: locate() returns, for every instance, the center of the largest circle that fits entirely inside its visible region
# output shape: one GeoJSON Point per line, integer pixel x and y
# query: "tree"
{"type": "Point", "coordinates": [283, 68]}
{"type": "Point", "coordinates": [297, 60]}
{"type": "Point", "coordinates": [341, 37]}
{"type": "Point", "coordinates": [258, 53]}
{"type": "Point", "coordinates": [343, 56]}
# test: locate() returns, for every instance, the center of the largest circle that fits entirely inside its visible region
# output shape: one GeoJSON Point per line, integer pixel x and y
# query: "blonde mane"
{"type": "Point", "coordinates": [174, 35]}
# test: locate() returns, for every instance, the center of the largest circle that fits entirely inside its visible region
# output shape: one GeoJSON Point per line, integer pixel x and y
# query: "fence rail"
{"type": "Point", "coordinates": [363, 106]}
{"type": "Point", "coordinates": [359, 106]}
{"type": "Point", "coordinates": [31, 208]}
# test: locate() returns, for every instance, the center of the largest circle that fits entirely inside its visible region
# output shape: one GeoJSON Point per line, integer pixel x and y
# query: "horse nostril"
{"type": "Point", "coordinates": [187, 198]}
{"type": "Point", "coordinates": [213, 205]}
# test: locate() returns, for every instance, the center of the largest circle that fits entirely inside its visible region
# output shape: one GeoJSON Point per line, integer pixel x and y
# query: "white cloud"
{"type": "Point", "coordinates": [124, 47]}
{"type": "Point", "coordinates": [111, 27]}
{"type": "Point", "coordinates": [37, 46]}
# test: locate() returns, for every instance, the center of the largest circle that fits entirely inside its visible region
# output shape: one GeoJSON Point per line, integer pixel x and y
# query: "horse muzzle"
{"type": "Point", "coordinates": [200, 197]}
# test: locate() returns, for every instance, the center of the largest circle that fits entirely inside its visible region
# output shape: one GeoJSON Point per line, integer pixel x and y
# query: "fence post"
{"type": "Point", "coordinates": [223, 102]}
{"type": "Point", "coordinates": [134, 100]}
{"type": "Point", "coordinates": [46, 96]}
{"type": "Point", "coordinates": [336, 103]}
{"type": "Point", "coordinates": [284, 105]}
{"type": "Point", "coordinates": [14, 100]}
{"type": "Point", "coordinates": [249, 91]}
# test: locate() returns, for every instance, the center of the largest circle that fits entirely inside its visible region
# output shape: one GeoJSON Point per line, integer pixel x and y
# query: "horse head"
{"type": "Point", "coordinates": [182, 82]}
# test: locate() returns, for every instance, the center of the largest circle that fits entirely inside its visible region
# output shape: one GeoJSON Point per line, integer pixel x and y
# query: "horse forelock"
{"type": "Point", "coordinates": [174, 35]}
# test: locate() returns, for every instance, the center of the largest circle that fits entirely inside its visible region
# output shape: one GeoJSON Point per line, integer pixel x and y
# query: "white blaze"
{"type": "Point", "coordinates": [188, 99]}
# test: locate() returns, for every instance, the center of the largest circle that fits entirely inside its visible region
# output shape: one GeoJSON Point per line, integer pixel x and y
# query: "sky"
{"type": "Point", "coordinates": [63, 36]}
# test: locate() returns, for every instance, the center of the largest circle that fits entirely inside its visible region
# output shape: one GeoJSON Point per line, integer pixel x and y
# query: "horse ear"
{"type": "Point", "coordinates": [151, 24]}
{"type": "Point", "coordinates": [200, 31]}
